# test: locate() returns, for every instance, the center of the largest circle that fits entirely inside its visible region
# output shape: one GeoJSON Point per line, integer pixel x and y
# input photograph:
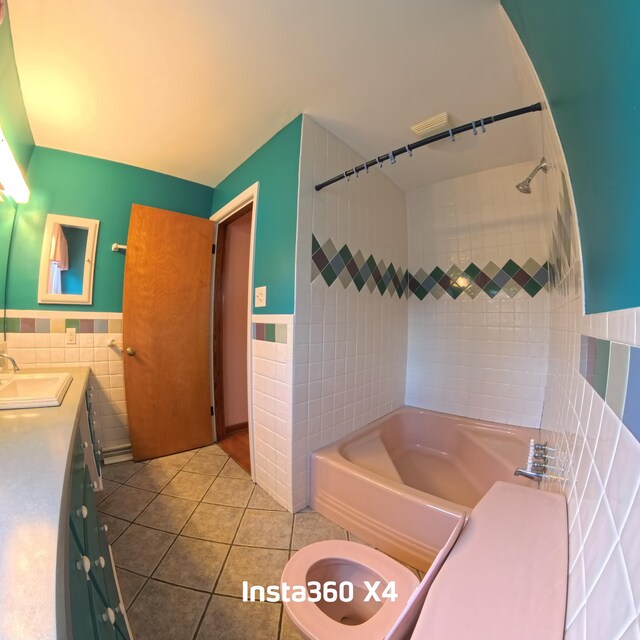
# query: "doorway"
{"type": "Point", "coordinates": [231, 345]}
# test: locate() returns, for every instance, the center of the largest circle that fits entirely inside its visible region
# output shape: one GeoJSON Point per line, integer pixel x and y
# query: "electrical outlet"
{"type": "Point", "coordinates": [261, 297]}
{"type": "Point", "coordinates": [70, 335]}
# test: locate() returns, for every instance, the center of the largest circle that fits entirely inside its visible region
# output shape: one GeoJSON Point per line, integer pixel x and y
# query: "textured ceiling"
{"type": "Point", "coordinates": [193, 88]}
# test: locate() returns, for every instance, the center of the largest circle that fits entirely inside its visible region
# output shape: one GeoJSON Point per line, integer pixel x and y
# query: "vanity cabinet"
{"type": "Point", "coordinates": [94, 602]}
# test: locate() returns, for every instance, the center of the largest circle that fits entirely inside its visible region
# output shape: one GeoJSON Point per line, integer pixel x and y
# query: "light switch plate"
{"type": "Point", "coordinates": [261, 297]}
{"type": "Point", "coordinates": [70, 335]}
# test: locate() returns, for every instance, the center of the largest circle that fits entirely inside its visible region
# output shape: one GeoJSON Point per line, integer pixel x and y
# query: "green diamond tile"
{"type": "Point", "coordinates": [472, 270]}
{"type": "Point", "coordinates": [345, 254]}
{"type": "Point", "coordinates": [437, 291]}
{"type": "Point", "coordinates": [358, 280]}
{"type": "Point", "coordinates": [492, 289]}
{"type": "Point", "coordinates": [454, 291]}
{"type": "Point", "coordinates": [531, 267]}
{"type": "Point", "coordinates": [511, 268]}
{"type": "Point", "coordinates": [421, 292]}
{"type": "Point", "coordinates": [491, 269]}
{"type": "Point", "coordinates": [511, 288]}
{"type": "Point", "coordinates": [371, 263]}
{"type": "Point", "coordinates": [437, 274]}
{"type": "Point", "coordinates": [329, 275]}
{"type": "Point", "coordinates": [315, 245]}
{"type": "Point", "coordinates": [532, 287]}
{"type": "Point", "coordinates": [72, 324]}
{"type": "Point", "coordinates": [473, 290]}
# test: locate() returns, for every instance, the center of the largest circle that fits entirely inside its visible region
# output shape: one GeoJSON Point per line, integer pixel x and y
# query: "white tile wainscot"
{"type": "Point", "coordinates": [272, 403]}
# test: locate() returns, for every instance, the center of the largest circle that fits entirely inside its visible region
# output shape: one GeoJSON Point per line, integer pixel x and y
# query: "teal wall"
{"type": "Point", "coordinates": [76, 185]}
{"type": "Point", "coordinates": [15, 125]}
{"type": "Point", "coordinates": [587, 55]}
{"type": "Point", "coordinates": [275, 166]}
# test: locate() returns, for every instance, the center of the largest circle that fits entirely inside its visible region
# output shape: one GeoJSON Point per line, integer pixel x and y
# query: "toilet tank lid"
{"type": "Point", "coordinates": [506, 577]}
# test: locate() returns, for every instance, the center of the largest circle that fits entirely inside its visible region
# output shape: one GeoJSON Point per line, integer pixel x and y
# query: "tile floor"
{"type": "Point", "coordinates": [186, 530]}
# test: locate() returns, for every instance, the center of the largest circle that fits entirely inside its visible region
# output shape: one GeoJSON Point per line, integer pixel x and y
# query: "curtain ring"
{"type": "Point", "coordinates": [453, 138]}
{"type": "Point", "coordinates": [473, 125]}
{"type": "Point", "coordinates": [392, 158]}
{"type": "Point", "coordinates": [409, 151]}
{"type": "Point", "coordinates": [482, 125]}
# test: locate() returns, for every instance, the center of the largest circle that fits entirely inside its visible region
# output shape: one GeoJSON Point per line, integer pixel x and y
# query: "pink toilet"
{"type": "Point", "coordinates": [503, 576]}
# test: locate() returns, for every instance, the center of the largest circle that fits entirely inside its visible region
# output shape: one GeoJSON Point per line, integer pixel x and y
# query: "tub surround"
{"type": "Point", "coordinates": [401, 481]}
{"type": "Point", "coordinates": [35, 455]}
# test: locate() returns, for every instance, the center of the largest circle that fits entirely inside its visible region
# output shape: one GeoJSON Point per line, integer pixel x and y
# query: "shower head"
{"type": "Point", "coordinates": [525, 185]}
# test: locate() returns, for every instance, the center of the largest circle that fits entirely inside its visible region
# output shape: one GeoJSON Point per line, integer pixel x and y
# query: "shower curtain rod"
{"type": "Point", "coordinates": [474, 125]}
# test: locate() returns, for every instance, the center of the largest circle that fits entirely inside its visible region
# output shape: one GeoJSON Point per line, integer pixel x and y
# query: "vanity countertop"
{"type": "Point", "coordinates": [35, 446]}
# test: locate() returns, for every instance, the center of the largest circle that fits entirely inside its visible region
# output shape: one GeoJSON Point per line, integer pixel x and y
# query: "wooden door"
{"type": "Point", "coordinates": [166, 331]}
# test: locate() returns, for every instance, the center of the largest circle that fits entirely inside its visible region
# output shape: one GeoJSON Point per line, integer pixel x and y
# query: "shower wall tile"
{"type": "Point", "coordinates": [46, 347]}
{"type": "Point", "coordinates": [598, 457]}
{"type": "Point", "coordinates": [349, 347]}
{"type": "Point", "coordinates": [482, 356]}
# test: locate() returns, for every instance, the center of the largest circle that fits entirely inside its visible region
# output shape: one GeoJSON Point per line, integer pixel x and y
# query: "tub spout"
{"type": "Point", "coordinates": [532, 475]}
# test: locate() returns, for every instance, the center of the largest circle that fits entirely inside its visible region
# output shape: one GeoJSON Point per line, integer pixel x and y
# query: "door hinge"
{"type": "Point", "coordinates": [212, 410]}
{"type": "Point", "coordinates": [213, 249]}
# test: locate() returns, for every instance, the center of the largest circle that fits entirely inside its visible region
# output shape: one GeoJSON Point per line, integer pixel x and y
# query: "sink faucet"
{"type": "Point", "coordinates": [16, 368]}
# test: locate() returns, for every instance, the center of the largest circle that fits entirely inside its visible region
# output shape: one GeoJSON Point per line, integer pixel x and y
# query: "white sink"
{"type": "Point", "coordinates": [31, 390]}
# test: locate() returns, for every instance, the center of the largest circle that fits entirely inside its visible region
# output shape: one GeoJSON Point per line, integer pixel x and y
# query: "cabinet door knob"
{"type": "Point", "coordinates": [100, 562]}
{"type": "Point", "coordinates": [131, 351]}
{"type": "Point", "coordinates": [83, 512]}
{"type": "Point", "coordinates": [84, 564]}
{"type": "Point", "coordinates": [85, 444]}
{"type": "Point", "coordinates": [104, 528]}
{"type": "Point", "coordinates": [109, 615]}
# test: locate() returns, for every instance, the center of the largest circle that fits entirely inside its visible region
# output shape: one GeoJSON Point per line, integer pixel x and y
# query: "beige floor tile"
{"type": "Point", "coordinates": [166, 612]}
{"type": "Point", "coordinates": [214, 522]}
{"type": "Point", "coordinates": [126, 502]}
{"type": "Point", "coordinates": [256, 566]}
{"type": "Point", "coordinates": [233, 470]}
{"type": "Point", "coordinates": [121, 471]}
{"type": "Point", "coordinates": [208, 463]}
{"type": "Point", "coordinates": [215, 449]}
{"type": "Point", "coordinates": [311, 527]}
{"type": "Point", "coordinates": [167, 513]}
{"type": "Point", "coordinates": [115, 526]}
{"type": "Point", "coordinates": [108, 487]}
{"type": "Point", "coordinates": [232, 619]}
{"type": "Point", "coordinates": [260, 499]}
{"type": "Point", "coordinates": [140, 549]}
{"type": "Point", "coordinates": [193, 563]}
{"type": "Point", "coordinates": [230, 491]}
{"type": "Point", "coordinates": [271, 529]}
{"type": "Point", "coordinates": [191, 486]}
{"type": "Point", "coordinates": [288, 630]}
{"type": "Point", "coordinates": [151, 478]}
{"type": "Point", "coordinates": [175, 460]}
{"type": "Point", "coordinates": [130, 585]}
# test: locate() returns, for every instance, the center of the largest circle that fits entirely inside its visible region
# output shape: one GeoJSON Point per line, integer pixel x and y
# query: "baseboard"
{"type": "Point", "coordinates": [120, 453]}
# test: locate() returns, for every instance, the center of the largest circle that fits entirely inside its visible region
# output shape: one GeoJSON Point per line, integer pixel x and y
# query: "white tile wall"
{"type": "Point", "coordinates": [484, 358]}
{"type": "Point", "coordinates": [599, 457]}
{"type": "Point", "coordinates": [350, 347]}
{"type": "Point", "coordinates": [272, 402]}
{"type": "Point", "coordinates": [91, 350]}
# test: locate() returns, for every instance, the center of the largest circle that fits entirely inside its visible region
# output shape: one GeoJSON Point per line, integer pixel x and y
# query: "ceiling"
{"type": "Point", "coordinates": [193, 88]}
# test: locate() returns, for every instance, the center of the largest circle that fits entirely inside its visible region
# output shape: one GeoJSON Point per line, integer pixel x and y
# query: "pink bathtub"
{"type": "Point", "coordinates": [401, 482]}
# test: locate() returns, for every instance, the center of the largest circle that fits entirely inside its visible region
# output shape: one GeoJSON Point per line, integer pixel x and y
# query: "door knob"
{"type": "Point", "coordinates": [131, 351]}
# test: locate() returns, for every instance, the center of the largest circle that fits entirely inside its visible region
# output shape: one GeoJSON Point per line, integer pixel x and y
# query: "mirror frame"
{"type": "Point", "coordinates": [86, 297]}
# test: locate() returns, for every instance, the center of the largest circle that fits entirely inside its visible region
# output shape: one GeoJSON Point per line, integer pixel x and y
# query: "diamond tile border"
{"type": "Point", "coordinates": [270, 332]}
{"type": "Point", "coordinates": [346, 267]}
